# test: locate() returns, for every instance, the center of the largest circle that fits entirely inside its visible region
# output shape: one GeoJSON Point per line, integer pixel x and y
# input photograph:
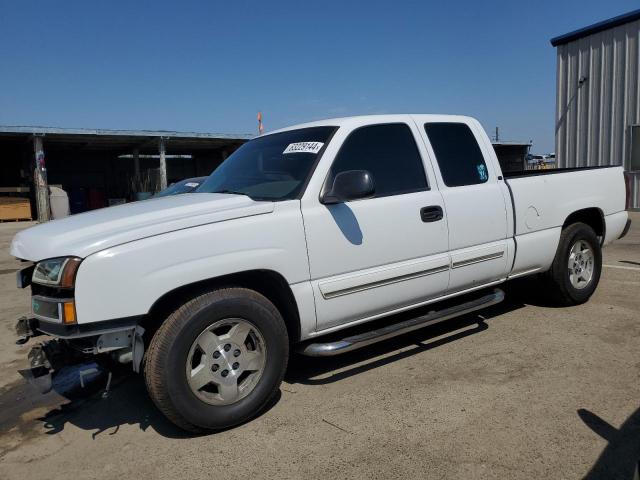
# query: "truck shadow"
{"type": "Point", "coordinates": [530, 290]}
{"type": "Point", "coordinates": [127, 404]}
{"type": "Point", "coordinates": [321, 371]}
{"type": "Point", "coordinates": [519, 293]}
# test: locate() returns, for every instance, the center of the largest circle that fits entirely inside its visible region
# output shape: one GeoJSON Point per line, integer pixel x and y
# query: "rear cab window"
{"type": "Point", "coordinates": [389, 153]}
{"type": "Point", "coordinates": [458, 154]}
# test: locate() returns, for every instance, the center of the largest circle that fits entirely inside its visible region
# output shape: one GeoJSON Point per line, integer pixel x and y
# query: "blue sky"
{"type": "Point", "coordinates": [210, 66]}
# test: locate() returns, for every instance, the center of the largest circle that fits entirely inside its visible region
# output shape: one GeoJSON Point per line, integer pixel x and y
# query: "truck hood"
{"type": "Point", "coordinates": [86, 233]}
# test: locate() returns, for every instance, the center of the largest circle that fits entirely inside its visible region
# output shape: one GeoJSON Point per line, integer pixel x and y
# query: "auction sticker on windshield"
{"type": "Point", "coordinates": [303, 147]}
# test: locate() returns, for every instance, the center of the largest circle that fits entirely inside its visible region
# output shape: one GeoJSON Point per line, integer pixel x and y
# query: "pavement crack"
{"type": "Point", "coordinates": [337, 426]}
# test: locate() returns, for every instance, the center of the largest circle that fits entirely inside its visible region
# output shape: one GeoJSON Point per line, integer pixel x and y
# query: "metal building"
{"type": "Point", "coordinates": [598, 97]}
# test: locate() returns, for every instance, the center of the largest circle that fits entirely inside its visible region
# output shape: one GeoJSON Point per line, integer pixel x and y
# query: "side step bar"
{"type": "Point", "coordinates": [354, 342]}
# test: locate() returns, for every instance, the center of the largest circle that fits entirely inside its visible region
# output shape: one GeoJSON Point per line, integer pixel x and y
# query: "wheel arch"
{"type": "Point", "coordinates": [269, 283]}
{"type": "Point", "coordinates": [593, 216]}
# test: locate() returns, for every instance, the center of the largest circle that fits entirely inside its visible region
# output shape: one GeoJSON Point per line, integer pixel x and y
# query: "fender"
{"type": "Point", "coordinates": [126, 280]}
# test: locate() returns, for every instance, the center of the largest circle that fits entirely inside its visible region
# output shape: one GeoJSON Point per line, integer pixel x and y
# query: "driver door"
{"type": "Point", "coordinates": [371, 256]}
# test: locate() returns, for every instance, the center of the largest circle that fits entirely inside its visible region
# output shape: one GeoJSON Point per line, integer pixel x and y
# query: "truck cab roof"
{"type": "Point", "coordinates": [382, 118]}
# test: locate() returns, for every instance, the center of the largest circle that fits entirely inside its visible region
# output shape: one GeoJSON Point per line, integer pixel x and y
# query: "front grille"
{"type": "Point", "coordinates": [52, 292]}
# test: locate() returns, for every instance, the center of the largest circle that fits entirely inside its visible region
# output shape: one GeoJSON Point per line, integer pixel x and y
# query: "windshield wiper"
{"type": "Point", "coordinates": [232, 192]}
{"type": "Point", "coordinates": [252, 197]}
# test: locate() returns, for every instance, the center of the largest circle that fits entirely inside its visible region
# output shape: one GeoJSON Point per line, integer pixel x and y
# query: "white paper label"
{"type": "Point", "coordinates": [304, 147]}
{"type": "Point", "coordinates": [191, 184]}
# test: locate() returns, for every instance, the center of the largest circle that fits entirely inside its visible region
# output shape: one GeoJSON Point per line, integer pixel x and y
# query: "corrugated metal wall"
{"type": "Point", "coordinates": [593, 117]}
{"type": "Point", "coordinates": [598, 99]}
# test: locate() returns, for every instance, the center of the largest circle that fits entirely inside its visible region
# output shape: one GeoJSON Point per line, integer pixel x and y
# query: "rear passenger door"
{"type": "Point", "coordinates": [374, 255]}
{"type": "Point", "coordinates": [474, 202]}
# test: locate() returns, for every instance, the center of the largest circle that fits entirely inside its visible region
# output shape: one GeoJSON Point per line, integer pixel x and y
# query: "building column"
{"type": "Point", "coordinates": [40, 181]}
{"type": "Point", "coordinates": [163, 165]}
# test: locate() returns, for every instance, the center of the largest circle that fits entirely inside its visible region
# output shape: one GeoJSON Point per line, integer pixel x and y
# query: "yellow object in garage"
{"type": "Point", "coordinates": [15, 208]}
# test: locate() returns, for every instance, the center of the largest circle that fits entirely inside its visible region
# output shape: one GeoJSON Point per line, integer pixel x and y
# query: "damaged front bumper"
{"type": "Point", "coordinates": [116, 340]}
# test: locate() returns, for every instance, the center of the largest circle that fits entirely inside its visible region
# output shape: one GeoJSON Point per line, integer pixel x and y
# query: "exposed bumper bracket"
{"type": "Point", "coordinates": [26, 329]}
{"type": "Point", "coordinates": [41, 360]}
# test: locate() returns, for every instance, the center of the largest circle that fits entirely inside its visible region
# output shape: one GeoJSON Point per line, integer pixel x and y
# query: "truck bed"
{"type": "Point", "coordinates": [551, 171]}
{"type": "Point", "coordinates": [544, 199]}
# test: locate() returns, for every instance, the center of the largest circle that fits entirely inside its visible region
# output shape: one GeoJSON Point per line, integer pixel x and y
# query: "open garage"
{"type": "Point", "coordinates": [97, 168]}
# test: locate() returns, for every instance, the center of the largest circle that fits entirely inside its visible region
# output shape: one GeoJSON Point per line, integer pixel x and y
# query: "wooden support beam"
{"type": "Point", "coordinates": [40, 181]}
{"type": "Point", "coordinates": [163, 165]}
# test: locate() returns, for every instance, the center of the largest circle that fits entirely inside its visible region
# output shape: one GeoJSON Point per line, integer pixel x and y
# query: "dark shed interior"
{"type": "Point", "coordinates": [100, 167]}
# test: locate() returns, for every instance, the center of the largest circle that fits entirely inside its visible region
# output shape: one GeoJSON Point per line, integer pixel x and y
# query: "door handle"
{"type": "Point", "coordinates": [431, 214]}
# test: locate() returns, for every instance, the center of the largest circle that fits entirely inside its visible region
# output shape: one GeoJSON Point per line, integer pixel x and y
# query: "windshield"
{"type": "Point", "coordinates": [273, 167]}
{"type": "Point", "coordinates": [183, 186]}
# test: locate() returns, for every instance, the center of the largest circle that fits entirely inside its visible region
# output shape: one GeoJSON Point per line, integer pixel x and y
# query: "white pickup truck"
{"type": "Point", "coordinates": [305, 232]}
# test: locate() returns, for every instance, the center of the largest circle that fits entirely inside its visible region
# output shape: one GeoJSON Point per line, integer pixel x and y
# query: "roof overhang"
{"type": "Point", "coordinates": [124, 140]}
{"type": "Point", "coordinates": [596, 28]}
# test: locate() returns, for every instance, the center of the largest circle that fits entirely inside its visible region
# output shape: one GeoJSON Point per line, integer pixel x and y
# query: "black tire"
{"type": "Point", "coordinates": [165, 359]}
{"type": "Point", "coordinates": [557, 277]}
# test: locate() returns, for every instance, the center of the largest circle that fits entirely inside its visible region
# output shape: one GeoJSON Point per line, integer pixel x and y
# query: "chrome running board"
{"type": "Point", "coordinates": [354, 342]}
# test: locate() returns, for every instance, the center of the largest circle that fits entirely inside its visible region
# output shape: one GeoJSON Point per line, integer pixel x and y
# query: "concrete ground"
{"type": "Point", "coordinates": [524, 390]}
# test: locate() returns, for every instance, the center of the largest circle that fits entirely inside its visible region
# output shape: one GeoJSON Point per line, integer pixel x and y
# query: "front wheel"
{"type": "Point", "coordinates": [217, 360]}
{"type": "Point", "coordinates": [576, 268]}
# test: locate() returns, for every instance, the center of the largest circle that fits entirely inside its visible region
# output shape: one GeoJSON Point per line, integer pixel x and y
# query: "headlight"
{"type": "Point", "coordinates": [57, 272]}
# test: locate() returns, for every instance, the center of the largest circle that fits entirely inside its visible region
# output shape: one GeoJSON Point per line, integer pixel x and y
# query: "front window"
{"type": "Point", "coordinates": [273, 167]}
{"type": "Point", "coordinates": [389, 152]}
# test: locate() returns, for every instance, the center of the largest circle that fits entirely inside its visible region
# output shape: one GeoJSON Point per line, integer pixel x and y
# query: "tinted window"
{"type": "Point", "coordinates": [272, 167]}
{"type": "Point", "coordinates": [389, 153]}
{"type": "Point", "coordinates": [458, 154]}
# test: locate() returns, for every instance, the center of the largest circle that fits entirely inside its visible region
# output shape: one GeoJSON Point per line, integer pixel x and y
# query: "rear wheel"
{"type": "Point", "coordinates": [576, 268]}
{"type": "Point", "coordinates": [217, 360]}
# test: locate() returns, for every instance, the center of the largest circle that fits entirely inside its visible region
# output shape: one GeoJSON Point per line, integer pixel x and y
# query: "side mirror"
{"type": "Point", "coordinates": [349, 185]}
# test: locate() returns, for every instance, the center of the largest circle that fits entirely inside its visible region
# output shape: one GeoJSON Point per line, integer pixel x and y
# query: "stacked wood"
{"type": "Point", "coordinates": [14, 208]}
